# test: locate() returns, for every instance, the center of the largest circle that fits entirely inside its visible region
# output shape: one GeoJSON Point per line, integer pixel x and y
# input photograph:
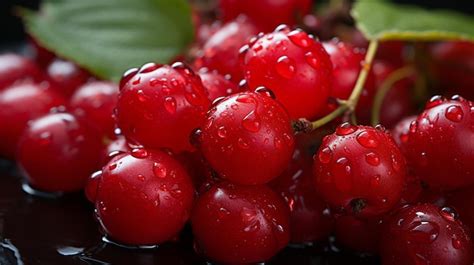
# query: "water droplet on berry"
{"type": "Point", "coordinates": [373, 159]}
{"type": "Point", "coordinates": [137, 81]}
{"type": "Point", "coordinates": [112, 166]}
{"type": "Point", "coordinates": [395, 163]}
{"type": "Point", "coordinates": [342, 172]}
{"type": "Point", "coordinates": [454, 113]}
{"type": "Point", "coordinates": [140, 177]}
{"type": "Point", "coordinates": [423, 232]}
{"type": "Point", "coordinates": [300, 38]}
{"type": "Point", "coordinates": [325, 155]}
{"type": "Point", "coordinates": [45, 138]}
{"type": "Point", "coordinates": [222, 132]}
{"type": "Point", "coordinates": [129, 74]}
{"type": "Point", "coordinates": [312, 60]}
{"type": "Point", "coordinates": [434, 101]}
{"type": "Point", "coordinates": [282, 28]}
{"type": "Point", "coordinates": [246, 98]}
{"type": "Point", "coordinates": [141, 95]}
{"type": "Point", "coordinates": [375, 181]}
{"type": "Point", "coordinates": [367, 139]}
{"type": "Point", "coordinates": [456, 243]}
{"type": "Point", "coordinates": [449, 214]}
{"type": "Point", "coordinates": [251, 122]}
{"type": "Point", "coordinates": [242, 143]}
{"type": "Point", "coordinates": [285, 67]}
{"type": "Point", "coordinates": [345, 129]}
{"type": "Point", "coordinates": [170, 105]}
{"type": "Point", "coordinates": [217, 101]}
{"type": "Point", "coordinates": [265, 91]}
{"type": "Point", "coordinates": [159, 170]}
{"type": "Point", "coordinates": [149, 67]}
{"type": "Point", "coordinates": [413, 126]}
{"type": "Point", "coordinates": [139, 153]}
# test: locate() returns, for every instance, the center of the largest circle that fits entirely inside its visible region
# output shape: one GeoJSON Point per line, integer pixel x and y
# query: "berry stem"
{"type": "Point", "coordinates": [351, 103]}
{"type": "Point", "coordinates": [387, 84]}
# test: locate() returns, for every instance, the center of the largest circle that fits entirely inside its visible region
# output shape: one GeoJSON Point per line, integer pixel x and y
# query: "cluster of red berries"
{"type": "Point", "coordinates": [178, 143]}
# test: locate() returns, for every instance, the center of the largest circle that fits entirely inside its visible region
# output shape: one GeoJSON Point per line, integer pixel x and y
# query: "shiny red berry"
{"type": "Point", "coordinates": [15, 68]}
{"type": "Point", "coordinates": [216, 84]}
{"type": "Point", "coordinates": [221, 51]}
{"type": "Point", "coordinates": [19, 104]}
{"type": "Point", "coordinates": [143, 198]}
{"type": "Point", "coordinates": [160, 105]}
{"type": "Point", "coordinates": [294, 66]}
{"type": "Point", "coordinates": [235, 224]}
{"type": "Point", "coordinates": [66, 76]}
{"type": "Point", "coordinates": [94, 103]}
{"type": "Point", "coordinates": [425, 234]}
{"type": "Point", "coordinates": [310, 217]}
{"type": "Point", "coordinates": [440, 144]}
{"type": "Point", "coordinates": [115, 147]}
{"type": "Point", "coordinates": [247, 138]}
{"type": "Point", "coordinates": [360, 170]}
{"type": "Point", "coordinates": [286, 11]}
{"type": "Point", "coordinates": [58, 153]}
{"type": "Point", "coordinates": [401, 130]}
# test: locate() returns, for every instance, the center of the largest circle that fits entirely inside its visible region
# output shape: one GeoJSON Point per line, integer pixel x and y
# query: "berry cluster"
{"type": "Point", "coordinates": [223, 141]}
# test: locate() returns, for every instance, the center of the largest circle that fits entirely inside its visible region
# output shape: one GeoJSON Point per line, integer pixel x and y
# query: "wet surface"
{"type": "Point", "coordinates": [63, 231]}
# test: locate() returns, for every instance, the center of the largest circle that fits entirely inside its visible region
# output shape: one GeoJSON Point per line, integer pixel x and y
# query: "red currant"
{"type": "Point", "coordinates": [217, 85]}
{"type": "Point", "coordinates": [144, 197]}
{"type": "Point", "coordinates": [58, 153]}
{"type": "Point", "coordinates": [15, 68]}
{"type": "Point", "coordinates": [160, 105]}
{"type": "Point", "coordinates": [425, 234]}
{"type": "Point", "coordinates": [19, 104]}
{"type": "Point", "coordinates": [240, 224]}
{"type": "Point", "coordinates": [360, 169]}
{"type": "Point", "coordinates": [66, 76]}
{"type": "Point", "coordinates": [440, 144]}
{"type": "Point", "coordinates": [247, 138]}
{"type": "Point", "coordinates": [221, 51]}
{"type": "Point", "coordinates": [94, 103]}
{"type": "Point", "coordinates": [286, 11]}
{"type": "Point", "coordinates": [294, 66]}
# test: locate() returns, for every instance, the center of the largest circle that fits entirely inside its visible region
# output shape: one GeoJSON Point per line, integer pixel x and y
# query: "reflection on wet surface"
{"type": "Point", "coordinates": [61, 231]}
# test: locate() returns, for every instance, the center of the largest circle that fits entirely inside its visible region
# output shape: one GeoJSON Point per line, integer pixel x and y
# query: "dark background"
{"type": "Point", "coordinates": [11, 29]}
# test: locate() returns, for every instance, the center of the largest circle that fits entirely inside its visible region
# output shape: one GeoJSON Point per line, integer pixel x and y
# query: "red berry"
{"type": "Point", "coordinates": [401, 130]}
{"type": "Point", "coordinates": [247, 138]}
{"type": "Point", "coordinates": [15, 68]}
{"type": "Point", "coordinates": [240, 224]}
{"type": "Point", "coordinates": [286, 11]}
{"type": "Point", "coordinates": [115, 147]}
{"type": "Point", "coordinates": [221, 50]}
{"type": "Point", "coordinates": [144, 198]}
{"type": "Point", "coordinates": [66, 76]}
{"type": "Point", "coordinates": [94, 103]}
{"type": "Point", "coordinates": [294, 66]}
{"type": "Point", "coordinates": [58, 153]}
{"type": "Point", "coordinates": [310, 218]}
{"type": "Point", "coordinates": [205, 31]}
{"type": "Point", "coordinates": [440, 144]}
{"type": "Point", "coordinates": [360, 169]}
{"type": "Point", "coordinates": [425, 234]}
{"type": "Point", "coordinates": [19, 104]}
{"type": "Point", "coordinates": [160, 105]}
{"type": "Point", "coordinates": [358, 235]}
{"type": "Point", "coordinates": [92, 185]}
{"type": "Point", "coordinates": [217, 85]}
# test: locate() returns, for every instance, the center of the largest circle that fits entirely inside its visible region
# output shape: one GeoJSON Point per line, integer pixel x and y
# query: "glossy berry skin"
{"type": "Point", "coordinates": [425, 234]}
{"type": "Point", "coordinates": [221, 51]}
{"type": "Point", "coordinates": [160, 105]}
{"type": "Point", "coordinates": [19, 104]}
{"type": "Point", "coordinates": [247, 138]}
{"type": "Point", "coordinates": [294, 66]}
{"type": "Point", "coordinates": [360, 170]}
{"type": "Point", "coordinates": [362, 236]}
{"type": "Point", "coordinates": [57, 153]}
{"type": "Point", "coordinates": [92, 185]}
{"type": "Point", "coordinates": [440, 144]}
{"type": "Point", "coordinates": [115, 147]}
{"type": "Point", "coordinates": [281, 12]}
{"type": "Point", "coordinates": [401, 130]}
{"type": "Point", "coordinates": [15, 68]}
{"type": "Point", "coordinates": [310, 217]}
{"type": "Point", "coordinates": [94, 103]}
{"type": "Point", "coordinates": [66, 76]}
{"type": "Point", "coordinates": [144, 198]}
{"type": "Point", "coordinates": [235, 224]}
{"type": "Point", "coordinates": [216, 84]}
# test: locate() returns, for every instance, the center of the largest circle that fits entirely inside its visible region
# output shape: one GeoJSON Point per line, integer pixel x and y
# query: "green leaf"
{"type": "Point", "coordinates": [107, 37]}
{"type": "Point", "coordinates": [383, 20]}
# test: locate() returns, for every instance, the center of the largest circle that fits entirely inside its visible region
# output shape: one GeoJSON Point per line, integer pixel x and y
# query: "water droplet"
{"type": "Point", "coordinates": [129, 74]}
{"type": "Point", "coordinates": [242, 143]}
{"type": "Point", "coordinates": [170, 105]}
{"type": "Point", "coordinates": [251, 122]}
{"type": "Point", "coordinates": [449, 214]}
{"type": "Point", "coordinates": [45, 138]}
{"type": "Point", "coordinates": [265, 91]}
{"type": "Point", "coordinates": [423, 232]}
{"type": "Point", "coordinates": [136, 81]}
{"type": "Point", "coordinates": [300, 38]}
{"type": "Point", "coordinates": [112, 166]}
{"type": "Point", "coordinates": [141, 177]}
{"type": "Point", "coordinates": [345, 129]}
{"type": "Point", "coordinates": [285, 67]}
{"type": "Point", "coordinates": [434, 101]}
{"type": "Point", "coordinates": [160, 170]}
{"type": "Point", "coordinates": [342, 172]}
{"type": "Point", "coordinates": [139, 153]}
{"type": "Point", "coordinates": [413, 126]}
{"type": "Point", "coordinates": [312, 60]}
{"type": "Point", "coordinates": [373, 159]}
{"type": "Point", "coordinates": [456, 243]}
{"type": "Point", "coordinates": [246, 98]}
{"type": "Point", "coordinates": [325, 155]}
{"type": "Point", "coordinates": [454, 113]}
{"type": "Point", "coordinates": [367, 139]}
{"type": "Point", "coordinates": [217, 101]}
{"type": "Point", "coordinates": [282, 28]}
{"type": "Point", "coordinates": [141, 95]}
{"type": "Point", "coordinates": [375, 181]}
{"type": "Point", "coordinates": [222, 132]}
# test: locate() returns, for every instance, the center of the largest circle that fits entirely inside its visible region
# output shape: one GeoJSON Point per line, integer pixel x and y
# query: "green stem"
{"type": "Point", "coordinates": [387, 84]}
{"type": "Point", "coordinates": [351, 103]}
